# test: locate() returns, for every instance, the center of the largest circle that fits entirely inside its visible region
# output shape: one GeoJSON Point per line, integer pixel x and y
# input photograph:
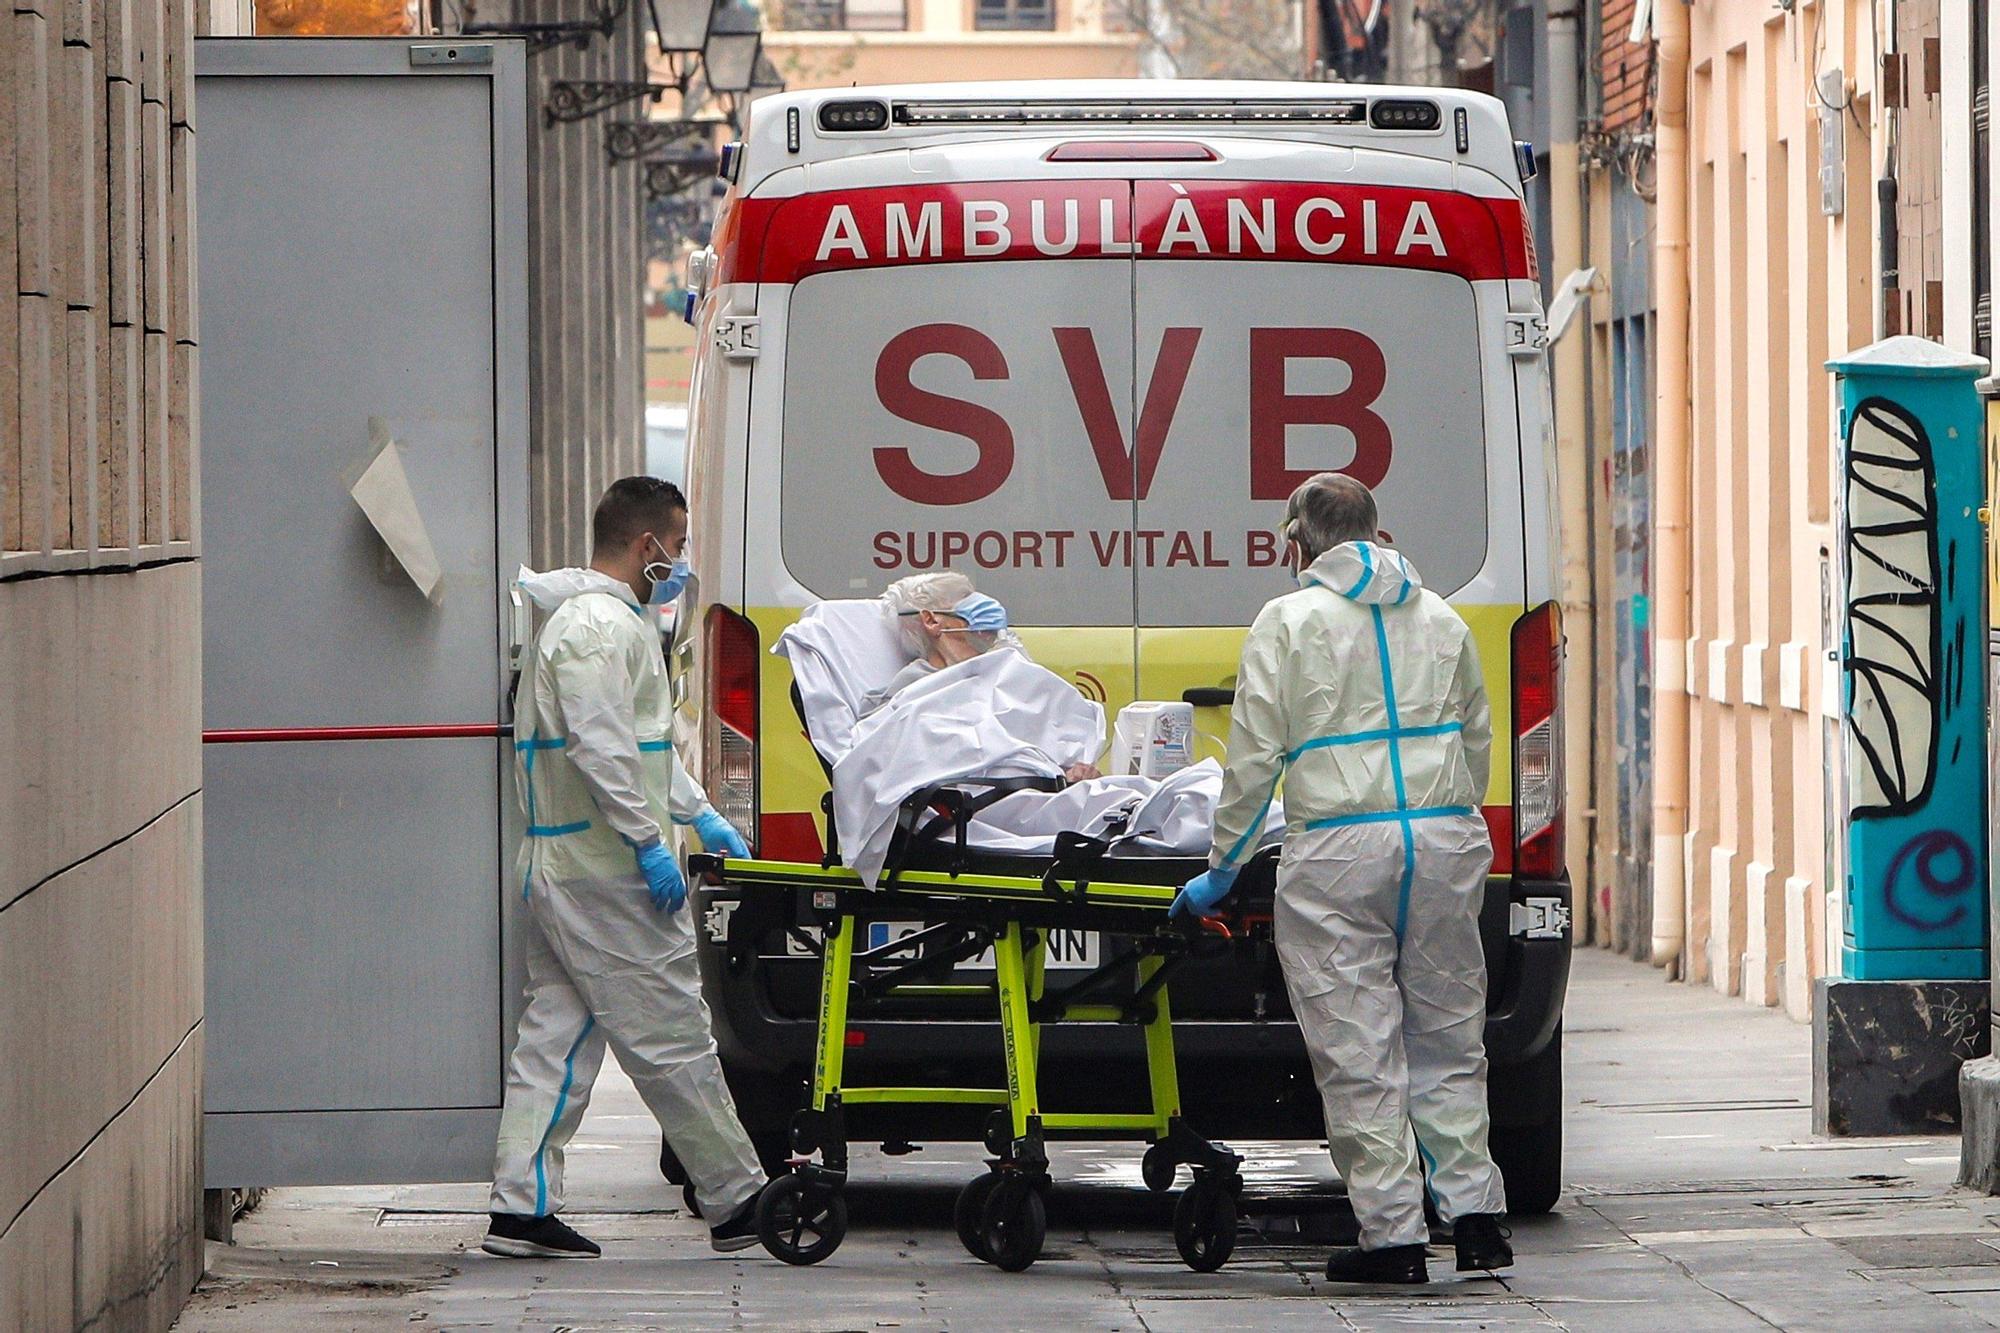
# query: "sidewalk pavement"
{"type": "Point", "coordinates": [1698, 1200]}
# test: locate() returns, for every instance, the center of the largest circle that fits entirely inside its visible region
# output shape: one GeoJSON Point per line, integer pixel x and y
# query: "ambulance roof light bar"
{"type": "Point", "coordinates": [1344, 111]}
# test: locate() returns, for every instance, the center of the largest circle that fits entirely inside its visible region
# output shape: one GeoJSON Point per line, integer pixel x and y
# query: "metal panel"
{"type": "Point", "coordinates": [364, 270]}
{"type": "Point", "coordinates": [359, 1148]}
{"type": "Point", "coordinates": [351, 285]}
{"type": "Point", "coordinates": [353, 948]}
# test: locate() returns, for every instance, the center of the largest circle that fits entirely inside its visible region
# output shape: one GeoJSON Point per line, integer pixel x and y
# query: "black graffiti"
{"type": "Point", "coordinates": [1942, 868]}
{"type": "Point", "coordinates": [1894, 657]}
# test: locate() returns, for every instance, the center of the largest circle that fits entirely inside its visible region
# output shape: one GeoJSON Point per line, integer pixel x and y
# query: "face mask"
{"type": "Point", "coordinates": [668, 576]}
{"type": "Point", "coordinates": [981, 614]}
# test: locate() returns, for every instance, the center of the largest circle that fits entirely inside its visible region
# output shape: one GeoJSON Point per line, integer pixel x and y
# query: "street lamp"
{"type": "Point", "coordinates": [735, 39]}
{"type": "Point", "coordinates": [681, 25]}
{"type": "Point", "coordinates": [766, 79]}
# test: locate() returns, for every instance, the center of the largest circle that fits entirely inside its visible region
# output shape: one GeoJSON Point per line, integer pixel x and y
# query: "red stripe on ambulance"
{"type": "Point", "coordinates": [785, 240]}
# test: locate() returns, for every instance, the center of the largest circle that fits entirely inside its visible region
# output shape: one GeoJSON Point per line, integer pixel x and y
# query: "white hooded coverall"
{"type": "Point", "coordinates": [1362, 691]}
{"type": "Point", "coordinates": [595, 765]}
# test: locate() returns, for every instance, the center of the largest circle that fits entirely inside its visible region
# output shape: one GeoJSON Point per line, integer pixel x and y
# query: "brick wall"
{"type": "Point", "coordinates": [1624, 69]}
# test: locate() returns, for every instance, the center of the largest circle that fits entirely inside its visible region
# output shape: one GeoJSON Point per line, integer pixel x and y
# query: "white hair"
{"type": "Point", "coordinates": [939, 591]}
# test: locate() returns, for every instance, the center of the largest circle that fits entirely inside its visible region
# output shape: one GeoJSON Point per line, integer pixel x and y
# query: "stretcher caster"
{"type": "Point", "coordinates": [801, 1220]}
{"type": "Point", "coordinates": [1205, 1223]}
{"type": "Point", "coordinates": [1013, 1223]}
{"type": "Point", "coordinates": [1157, 1168]}
{"type": "Point", "coordinates": [969, 1209]}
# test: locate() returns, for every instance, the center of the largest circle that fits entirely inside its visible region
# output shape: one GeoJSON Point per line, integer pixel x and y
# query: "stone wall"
{"type": "Point", "coordinates": [586, 283]}
{"type": "Point", "coordinates": [100, 665]}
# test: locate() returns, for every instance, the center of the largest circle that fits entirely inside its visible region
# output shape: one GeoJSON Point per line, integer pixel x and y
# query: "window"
{"type": "Point", "coordinates": [1015, 15]}
{"type": "Point", "coordinates": [841, 16]}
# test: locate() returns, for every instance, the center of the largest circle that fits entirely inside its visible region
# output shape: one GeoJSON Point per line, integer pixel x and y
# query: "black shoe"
{"type": "Point", "coordinates": [1481, 1243]}
{"type": "Point", "coordinates": [1392, 1264]}
{"type": "Point", "coordinates": [519, 1236]}
{"type": "Point", "coordinates": [739, 1232]}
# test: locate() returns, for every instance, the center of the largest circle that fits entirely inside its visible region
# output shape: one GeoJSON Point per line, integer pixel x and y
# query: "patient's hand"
{"type": "Point", "coordinates": [1081, 772]}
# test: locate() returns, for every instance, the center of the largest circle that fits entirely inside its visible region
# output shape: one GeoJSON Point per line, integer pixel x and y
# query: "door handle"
{"type": "Point", "coordinates": [1210, 696]}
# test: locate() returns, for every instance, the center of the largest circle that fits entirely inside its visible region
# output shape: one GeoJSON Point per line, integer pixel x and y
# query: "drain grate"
{"type": "Point", "coordinates": [452, 1217]}
{"type": "Point", "coordinates": [1709, 1107]}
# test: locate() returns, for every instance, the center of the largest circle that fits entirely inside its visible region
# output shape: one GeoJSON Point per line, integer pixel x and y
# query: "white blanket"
{"type": "Point", "coordinates": [997, 715]}
{"type": "Point", "coordinates": [1146, 816]}
{"type": "Point", "coordinates": [840, 651]}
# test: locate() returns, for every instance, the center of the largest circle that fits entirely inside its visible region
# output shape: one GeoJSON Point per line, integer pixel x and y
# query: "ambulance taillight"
{"type": "Point", "coordinates": [1538, 773]}
{"type": "Point", "coordinates": [729, 752]}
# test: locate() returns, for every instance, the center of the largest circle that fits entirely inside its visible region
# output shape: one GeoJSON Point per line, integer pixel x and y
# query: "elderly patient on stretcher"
{"type": "Point", "coordinates": [898, 698]}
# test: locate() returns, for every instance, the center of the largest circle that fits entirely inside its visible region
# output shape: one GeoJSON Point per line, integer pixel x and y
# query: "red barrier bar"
{"type": "Point", "coordinates": [433, 731]}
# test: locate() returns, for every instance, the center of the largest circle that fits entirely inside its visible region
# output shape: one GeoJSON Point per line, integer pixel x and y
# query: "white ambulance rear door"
{"type": "Point", "coordinates": [1301, 309]}
{"type": "Point", "coordinates": [938, 331]}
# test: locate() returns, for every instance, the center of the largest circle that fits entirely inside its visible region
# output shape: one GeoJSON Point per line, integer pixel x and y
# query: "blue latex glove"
{"type": "Point", "coordinates": [663, 876]}
{"type": "Point", "coordinates": [1204, 891]}
{"type": "Point", "coordinates": [719, 835]}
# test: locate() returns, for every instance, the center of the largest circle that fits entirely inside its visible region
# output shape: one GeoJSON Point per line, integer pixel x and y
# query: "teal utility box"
{"type": "Point", "coordinates": [1912, 631]}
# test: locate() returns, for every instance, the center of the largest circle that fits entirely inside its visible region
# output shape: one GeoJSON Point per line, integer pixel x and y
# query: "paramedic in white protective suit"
{"type": "Point", "coordinates": [611, 951]}
{"type": "Point", "coordinates": [1362, 691]}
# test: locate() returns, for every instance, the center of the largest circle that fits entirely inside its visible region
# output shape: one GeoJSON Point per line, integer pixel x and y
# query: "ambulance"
{"type": "Point", "coordinates": [1080, 340]}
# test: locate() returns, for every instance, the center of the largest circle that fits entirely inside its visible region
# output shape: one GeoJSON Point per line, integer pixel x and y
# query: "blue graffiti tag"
{"type": "Point", "coordinates": [1922, 854]}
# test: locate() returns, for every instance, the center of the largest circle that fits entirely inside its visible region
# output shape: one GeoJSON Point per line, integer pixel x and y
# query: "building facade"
{"type": "Point", "coordinates": [1767, 172]}
{"type": "Point", "coordinates": [100, 665]}
{"type": "Point", "coordinates": [829, 43]}
{"type": "Point", "coordinates": [1718, 212]}
{"type": "Point", "coordinates": [1619, 191]}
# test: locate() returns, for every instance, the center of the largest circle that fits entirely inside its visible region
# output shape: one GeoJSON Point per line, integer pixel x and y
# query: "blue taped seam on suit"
{"type": "Point", "coordinates": [1393, 731]}
{"type": "Point", "coordinates": [562, 1101]}
{"type": "Point", "coordinates": [1367, 570]}
{"type": "Point", "coordinates": [1256, 829]}
{"type": "Point", "coordinates": [1391, 816]}
{"type": "Point", "coordinates": [1430, 1162]}
{"type": "Point", "coordinates": [1396, 771]}
{"type": "Point", "coordinates": [527, 747]}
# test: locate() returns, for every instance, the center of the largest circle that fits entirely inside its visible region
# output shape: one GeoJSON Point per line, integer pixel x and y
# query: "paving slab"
{"type": "Point", "coordinates": [1699, 1200]}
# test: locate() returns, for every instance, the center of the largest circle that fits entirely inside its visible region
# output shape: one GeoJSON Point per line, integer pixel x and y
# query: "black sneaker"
{"type": "Point", "coordinates": [1401, 1264]}
{"type": "Point", "coordinates": [1481, 1243]}
{"type": "Point", "coordinates": [519, 1236]}
{"type": "Point", "coordinates": [739, 1232]}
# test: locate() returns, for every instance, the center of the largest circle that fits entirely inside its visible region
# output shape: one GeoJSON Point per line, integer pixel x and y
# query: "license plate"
{"type": "Point", "coordinates": [1068, 949]}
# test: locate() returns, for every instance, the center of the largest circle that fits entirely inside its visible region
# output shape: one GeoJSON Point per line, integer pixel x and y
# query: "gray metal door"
{"type": "Point", "coordinates": [363, 284]}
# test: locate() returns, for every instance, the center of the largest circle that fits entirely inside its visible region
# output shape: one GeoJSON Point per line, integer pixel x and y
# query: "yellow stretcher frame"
{"type": "Point", "coordinates": [1009, 1229]}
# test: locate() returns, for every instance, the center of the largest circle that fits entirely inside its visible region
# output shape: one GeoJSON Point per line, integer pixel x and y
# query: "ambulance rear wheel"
{"type": "Point", "coordinates": [1205, 1224]}
{"type": "Point", "coordinates": [799, 1222]}
{"type": "Point", "coordinates": [1013, 1224]}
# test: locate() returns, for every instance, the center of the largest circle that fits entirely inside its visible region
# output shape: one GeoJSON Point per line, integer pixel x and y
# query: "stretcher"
{"type": "Point", "coordinates": [964, 902]}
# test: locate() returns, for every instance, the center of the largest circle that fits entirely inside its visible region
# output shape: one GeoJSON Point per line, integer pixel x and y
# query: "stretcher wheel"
{"type": "Point", "coordinates": [692, 1204]}
{"type": "Point", "coordinates": [1013, 1224]}
{"type": "Point", "coordinates": [1205, 1224]}
{"type": "Point", "coordinates": [969, 1209]}
{"type": "Point", "coordinates": [1157, 1169]}
{"type": "Point", "coordinates": [800, 1223]}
